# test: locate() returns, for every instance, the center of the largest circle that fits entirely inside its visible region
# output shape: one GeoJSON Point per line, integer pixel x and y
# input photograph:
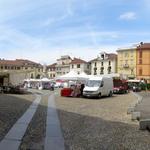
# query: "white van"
{"type": "Point", "coordinates": [98, 86]}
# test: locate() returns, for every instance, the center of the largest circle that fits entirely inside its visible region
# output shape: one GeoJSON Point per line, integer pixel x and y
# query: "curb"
{"type": "Point", "coordinates": [135, 116]}
{"type": "Point", "coordinates": [131, 108]}
{"type": "Point", "coordinates": [144, 124]}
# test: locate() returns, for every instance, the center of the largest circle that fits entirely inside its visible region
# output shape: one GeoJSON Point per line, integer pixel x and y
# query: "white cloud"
{"type": "Point", "coordinates": [128, 16]}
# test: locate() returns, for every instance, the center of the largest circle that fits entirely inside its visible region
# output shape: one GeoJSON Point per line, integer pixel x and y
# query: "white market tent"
{"type": "Point", "coordinates": [34, 83]}
{"type": "Point", "coordinates": [45, 80]}
{"type": "Point", "coordinates": [84, 75]}
{"type": "Point", "coordinates": [72, 75]}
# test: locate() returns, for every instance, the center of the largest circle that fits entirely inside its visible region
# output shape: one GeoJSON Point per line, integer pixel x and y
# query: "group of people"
{"type": "Point", "coordinates": [77, 90]}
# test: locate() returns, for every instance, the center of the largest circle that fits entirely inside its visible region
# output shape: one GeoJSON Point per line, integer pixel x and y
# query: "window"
{"type": "Point", "coordinates": [95, 64]}
{"type": "Point", "coordinates": [102, 83]}
{"type": "Point", "coordinates": [109, 69]}
{"type": "Point", "coordinates": [95, 71]}
{"type": "Point", "coordinates": [88, 66]}
{"type": "Point", "coordinates": [109, 63]}
{"type": "Point", "coordinates": [121, 62]}
{"type": "Point", "coordinates": [126, 61]}
{"type": "Point", "coordinates": [72, 66]}
{"type": "Point", "coordinates": [78, 65]}
{"type": "Point", "coordinates": [140, 61]}
{"type": "Point", "coordinates": [132, 71]}
{"type": "Point", "coordinates": [131, 61]}
{"type": "Point", "coordinates": [126, 54]}
{"type": "Point", "coordinates": [131, 53]}
{"type": "Point", "coordinates": [31, 75]}
{"type": "Point", "coordinates": [102, 56]}
{"type": "Point", "coordinates": [102, 63]}
{"type": "Point", "coordinates": [5, 67]}
{"type": "Point", "coordinates": [121, 54]}
{"type": "Point", "coordinates": [140, 71]}
{"type": "Point", "coordinates": [102, 70]}
{"type": "Point", "coordinates": [140, 54]}
{"type": "Point", "coordinates": [1, 67]}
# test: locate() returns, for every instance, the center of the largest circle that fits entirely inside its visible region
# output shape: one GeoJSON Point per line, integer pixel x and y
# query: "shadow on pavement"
{"type": "Point", "coordinates": [93, 133]}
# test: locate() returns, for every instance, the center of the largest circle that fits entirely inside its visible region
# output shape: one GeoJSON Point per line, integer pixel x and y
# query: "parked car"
{"type": "Point", "coordinates": [48, 86]}
{"type": "Point", "coordinates": [120, 86]}
{"type": "Point", "coordinates": [58, 85]}
{"type": "Point", "coordinates": [19, 89]}
{"type": "Point", "coordinates": [134, 85]}
{"type": "Point", "coordinates": [136, 88]}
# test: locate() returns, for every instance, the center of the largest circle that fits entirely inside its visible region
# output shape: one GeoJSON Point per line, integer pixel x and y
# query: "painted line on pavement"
{"type": "Point", "coordinates": [13, 138]}
{"type": "Point", "coordinates": [54, 139]}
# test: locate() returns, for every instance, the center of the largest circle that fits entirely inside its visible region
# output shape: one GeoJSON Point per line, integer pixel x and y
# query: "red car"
{"type": "Point", "coordinates": [120, 86]}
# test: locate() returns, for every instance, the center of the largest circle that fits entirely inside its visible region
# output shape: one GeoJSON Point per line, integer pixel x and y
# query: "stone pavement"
{"type": "Point", "coordinates": [53, 139]}
{"type": "Point", "coordinates": [144, 106]}
{"type": "Point", "coordinates": [13, 138]}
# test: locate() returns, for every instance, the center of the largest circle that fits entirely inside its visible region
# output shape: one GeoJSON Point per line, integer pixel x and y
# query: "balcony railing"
{"type": "Point", "coordinates": [125, 66]}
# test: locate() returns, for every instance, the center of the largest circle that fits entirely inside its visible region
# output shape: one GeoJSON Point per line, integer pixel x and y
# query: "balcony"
{"type": "Point", "coordinates": [125, 66]}
{"type": "Point", "coordinates": [95, 68]}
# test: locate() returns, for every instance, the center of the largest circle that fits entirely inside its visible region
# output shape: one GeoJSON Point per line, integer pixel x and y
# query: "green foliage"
{"type": "Point", "coordinates": [145, 86]}
{"type": "Point", "coordinates": [148, 86]}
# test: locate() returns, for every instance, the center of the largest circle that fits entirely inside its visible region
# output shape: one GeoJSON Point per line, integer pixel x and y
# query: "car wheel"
{"type": "Point", "coordinates": [110, 94]}
{"type": "Point", "coordinates": [99, 95]}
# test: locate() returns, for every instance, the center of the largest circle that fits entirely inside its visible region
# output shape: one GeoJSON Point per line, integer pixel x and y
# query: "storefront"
{"type": "Point", "coordinates": [4, 79]}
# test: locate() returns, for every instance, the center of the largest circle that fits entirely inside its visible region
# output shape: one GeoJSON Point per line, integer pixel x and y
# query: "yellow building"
{"type": "Point", "coordinates": [15, 71]}
{"type": "Point", "coordinates": [143, 61]}
{"type": "Point", "coordinates": [126, 65]}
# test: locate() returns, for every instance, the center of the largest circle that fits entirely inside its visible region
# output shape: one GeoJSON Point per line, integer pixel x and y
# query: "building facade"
{"type": "Point", "coordinates": [15, 71]}
{"type": "Point", "coordinates": [63, 65]}
{"type": "Point", "coordinates": [79, 66]}
{"type": "Point", "coordinates": [51, 71]}
{"type": "Point", "coordinates": [126, 65]}
{"type": "Point", "coordinates": [104, 64]}
{"type": "Point", "coordinates": [143, 61]}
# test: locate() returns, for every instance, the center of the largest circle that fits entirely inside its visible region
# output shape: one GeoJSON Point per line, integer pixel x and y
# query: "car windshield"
{"type": "Point", "coordinates": [117, 83]}
{"type": "Point", "coordinates": [93, 83]}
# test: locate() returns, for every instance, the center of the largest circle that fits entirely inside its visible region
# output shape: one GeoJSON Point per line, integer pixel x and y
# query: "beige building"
{"type": "Point", "coordinates": [105, 63]}
{"type": "Point", "coordinates": [15, 71]}
{"type": "Point", "coordinates": [127, 62]}
{"type": "Point", "coordinates": [51, 71]}
{"type": "Point", "coordinates": [79, 66]}
{"type": "Point", "coordinates": [63, 65]}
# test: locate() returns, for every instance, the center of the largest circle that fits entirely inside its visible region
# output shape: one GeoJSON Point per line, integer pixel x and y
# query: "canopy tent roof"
{"type": "Point", "coordinates": [38, 80]}
{"type": "Point", "coordinates": [72, 75]}
{"type": "Point", "coordinates": [45, 79]}
{"type": "Point", "coordinates": [84, 75]}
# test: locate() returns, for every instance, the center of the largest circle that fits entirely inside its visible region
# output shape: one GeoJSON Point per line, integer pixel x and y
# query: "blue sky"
{"type": "Point", "coordinates": [43, 30]}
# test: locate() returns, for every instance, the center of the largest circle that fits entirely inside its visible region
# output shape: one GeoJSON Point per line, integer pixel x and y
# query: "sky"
{"type": "Point", "coordinates": [44, 30]}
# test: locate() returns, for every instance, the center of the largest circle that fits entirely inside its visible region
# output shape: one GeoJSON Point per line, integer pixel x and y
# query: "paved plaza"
{"type": "Point", "coordinates": [44, 120]}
